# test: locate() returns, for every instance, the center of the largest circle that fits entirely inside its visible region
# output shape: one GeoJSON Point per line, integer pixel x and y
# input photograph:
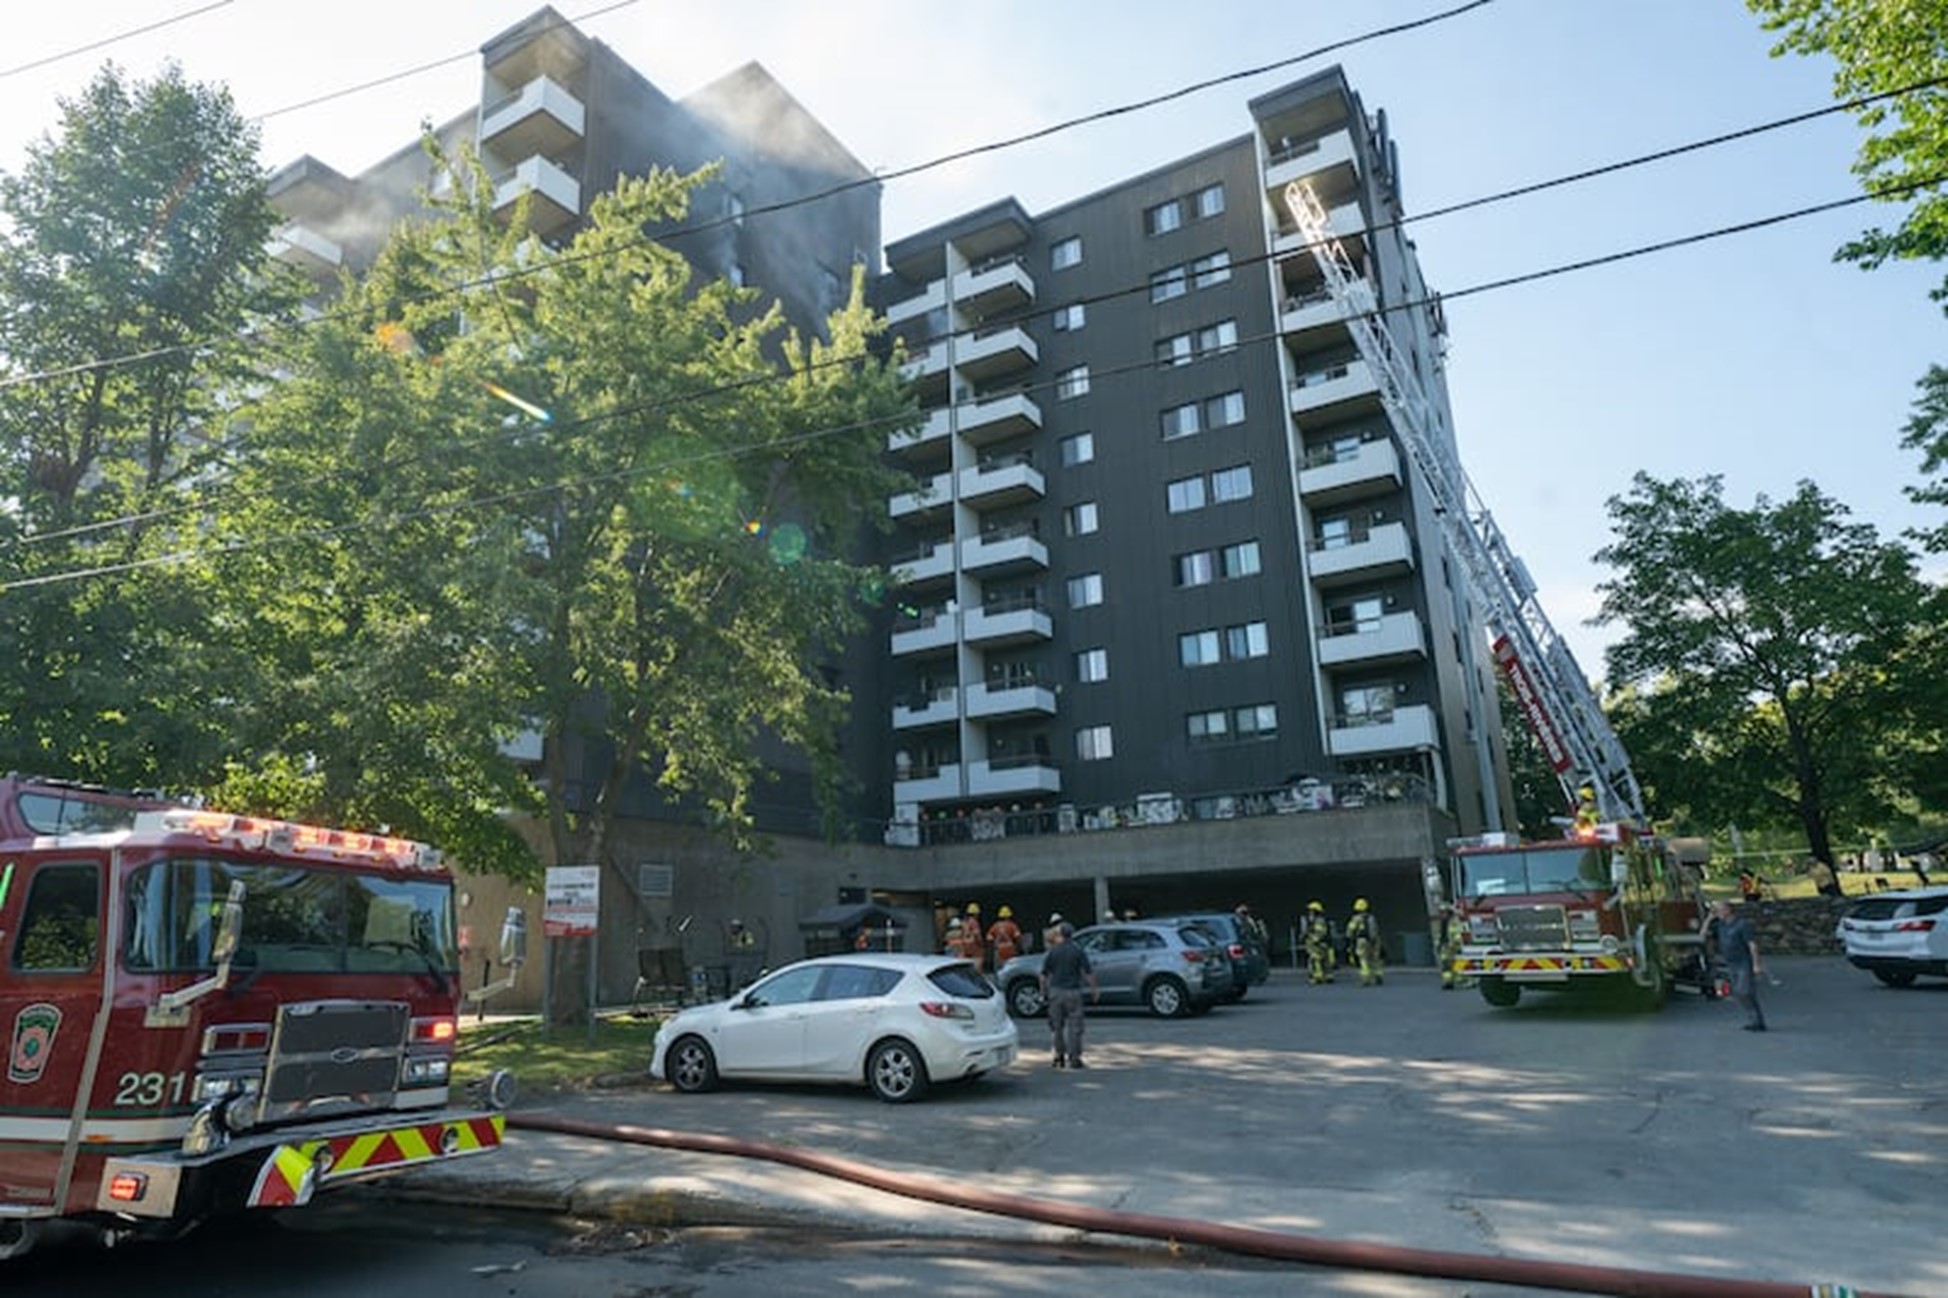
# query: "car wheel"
{"type": "Point", "coordinates": [1167, 998]}
{"type": "Point", "coordinates": [896, 1072]}
{"type": "Point", "coordinates": [1499, 993]}
{"type": "Point", "coordinates": [1025, 999]}
{"type": "Point", "coordinates": [1895, 977]}
{"type": "Point", "coordinates": [691, 1067]}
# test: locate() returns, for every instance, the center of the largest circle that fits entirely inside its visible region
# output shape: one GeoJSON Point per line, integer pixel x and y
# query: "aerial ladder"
{"type": "Point", "coordinates": [1549, 687]}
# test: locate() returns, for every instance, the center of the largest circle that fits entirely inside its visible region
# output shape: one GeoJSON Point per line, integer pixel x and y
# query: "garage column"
{"type": "Point", "coordinates": [1102, 901]}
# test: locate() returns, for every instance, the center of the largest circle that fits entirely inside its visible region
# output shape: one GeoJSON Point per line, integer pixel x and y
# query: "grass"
{"type": "Point", "coordinates": [544, 1059]}
{"type": "Point", "coordinates": [1793, 887]}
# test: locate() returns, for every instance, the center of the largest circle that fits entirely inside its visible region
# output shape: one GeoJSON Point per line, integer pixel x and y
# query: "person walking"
{"type": "Point", "coordinates": [1454, 932]}
{"type": "Point", "coordinates": [1065, 969]}
{"type": "Point", "coordinates": [1316, 933]}
{"type": "Point", "coordinates": [1004, 936]}
{"type": "Point", "coordinates": [1363, 933]}
{"type": "Point", "coordinates": [1738, 951]}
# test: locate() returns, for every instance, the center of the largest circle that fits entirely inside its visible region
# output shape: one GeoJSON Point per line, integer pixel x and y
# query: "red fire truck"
{"type": "Point", "coordinates": [207, 1012]}
{"type": "Point", "coordinates": [1606, 906]}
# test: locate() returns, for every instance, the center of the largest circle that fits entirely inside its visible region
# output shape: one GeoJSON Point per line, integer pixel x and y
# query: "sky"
{"type": "Point", "coordinates": [1755, 357]}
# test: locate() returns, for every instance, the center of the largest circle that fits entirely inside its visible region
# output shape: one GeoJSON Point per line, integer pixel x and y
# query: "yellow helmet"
{"type": "Point", "coordinates": [1319, 906]}
{"type": "Point", "coordinates": [973, 907]}
{"type": "Point", "coordinates": [1006, 912]}
{"type": "Point", "coordinates": [1359, 906]}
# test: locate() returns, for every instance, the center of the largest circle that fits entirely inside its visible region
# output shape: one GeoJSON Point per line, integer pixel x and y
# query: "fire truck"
{"type": "Point", "coordinates": [1606, 907]}
{"type": "Point", "coordinates": [207, 1012]}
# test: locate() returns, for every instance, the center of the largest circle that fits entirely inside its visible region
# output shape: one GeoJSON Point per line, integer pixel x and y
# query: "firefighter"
{"type": "Point", "coordinates": [1586, 815]}
{"type": "Point", "coordinates": [1004, 935]}
{"type": "Point", "coordinates": [1317, 934]}
{"type": "Point", "coordinates": [1454, 929]}
{"type": "Point", "coordinates": [1363, 932]}
{"type": "Point", "coordinates": [973, 938]}
{"type": "Point", "coordinates": [952, 941]}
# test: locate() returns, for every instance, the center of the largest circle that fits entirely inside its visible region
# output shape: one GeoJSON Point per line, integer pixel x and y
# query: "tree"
{"type": "Point", "coordinates": [1761, 644]}
{"type": "Point", "coordinates": [132, 243]}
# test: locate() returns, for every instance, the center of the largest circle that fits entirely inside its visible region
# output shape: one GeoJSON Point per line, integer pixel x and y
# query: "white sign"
{"type": "Point", "coordinates": [572, 902]}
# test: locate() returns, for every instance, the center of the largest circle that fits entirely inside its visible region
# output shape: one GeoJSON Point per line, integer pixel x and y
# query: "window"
{"type": "Point", "coordinates": [1180, 421]}
{"type": "Point", "coordinates": [60, 925]}
{"type": "Point", "coordinates": [1334, 532]}
{"type": "Point", "coordinates": [1198, 648]}
{"type": "Point", "coordinates": [1094, 744]}
{"type": "Point", "coordinates": [1080, 519]}
{"type": "Point", "coordinates": [1072, 382]}
{"type": "Point", "coordinates": [1233, 483]}
{"type": "Point", "coordinates": [1353, 616]}
{"type": "Point", "coordinates": [1166, 284]}
{"type": "Point", "coordinates": [1209, 201]}
{"type": "Point", "coordinates": [1250, 640]}
{"type": "Point", "coordinates": [1175, 350]}
{"type": "Point", "coordinates": [1185, 494]}
{"type": "Point", "coordinates": [1260, 721]}
{"type": "Point", "coordinates": [1065, 254]}
{"type": "Point", "coordinates": [1240, 560]}
{"type": "Point", "coordinates": [1365, 705]}
{"type": "Point", "coordinates": [1086, 590]}
{"type": "Point", "coordinates": [1226, 410]}
{"type": "Point", "coordinates": [1207, 727]}
{"type": "Point", "coordinates": [1220, 337]}
{"type": "Point", "coordinates": [1163, 218]}
{"type": "Point", "coordinates": [1070, 318]}
{"type": "Point", "coordinates": [1211, 270]}
{"type": "Point", "coordinates": [1196, 569]}
{"type": "Point", "coordinates": [792, 987]}
{"type": "Point", "coordinates": [1078, 448]}
{"type": "Point", "coordinates": [1092, 665]}
{"type": "Point", "coordinates": [848, 982]}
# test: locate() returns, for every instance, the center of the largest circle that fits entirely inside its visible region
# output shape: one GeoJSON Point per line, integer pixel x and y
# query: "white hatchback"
{"type": "Point", "coordinates": [896, 1023]}
{"type": "Point", "coordinates": [1897, 936]}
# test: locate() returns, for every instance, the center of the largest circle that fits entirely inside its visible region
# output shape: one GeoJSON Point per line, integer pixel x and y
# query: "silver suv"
{"type": "Point", "coordinates": [1171, 968]}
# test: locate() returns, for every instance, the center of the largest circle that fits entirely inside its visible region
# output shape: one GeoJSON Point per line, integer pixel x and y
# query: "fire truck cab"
{"type": "Point", "coordinates": [207, 1012]}
{"type": "Point", "coordinates": [1605, 906]}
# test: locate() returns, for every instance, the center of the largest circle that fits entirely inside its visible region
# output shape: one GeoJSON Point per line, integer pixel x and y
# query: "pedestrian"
{"type": "Point", "coordinates": [1049, 933]}
{"type": "Point", "coordinates": [1363, 933]}
{"type": "Point", "coordinates": [1004, 935]}
{"type": "Point", "coordinates": [1738, 951]}
{"type": "Point", "coordinates": [1065, 969]}
{"type": "Point", "coordinates": [952, 942]}
{"type": "Point", "coordinates": [1454, 932]}
{"type": "Point", "coordinates": [1253, 927]}
{"type": "Point", "coordinates": [1316, 934]}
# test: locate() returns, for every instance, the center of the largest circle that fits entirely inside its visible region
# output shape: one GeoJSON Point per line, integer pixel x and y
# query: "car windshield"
{"type": "Point", "coordinates": [1570, 868]}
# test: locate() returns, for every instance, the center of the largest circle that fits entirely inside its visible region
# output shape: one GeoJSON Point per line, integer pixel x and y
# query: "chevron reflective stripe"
{"type": "Point", "coordinates": [1541, 964]}
{"type": "Point", "coordinates": [377, 1150]}
{"type": "Point", "coordinates": [288, 1178]}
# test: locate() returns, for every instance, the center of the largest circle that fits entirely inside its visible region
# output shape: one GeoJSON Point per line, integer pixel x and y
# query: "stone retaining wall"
{"type": "Point", "coordinates": [1802, 926]}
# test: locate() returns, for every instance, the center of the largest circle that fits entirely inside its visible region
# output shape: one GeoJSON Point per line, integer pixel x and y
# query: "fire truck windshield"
{"type": "Point", "coordinates": [297, 919]}
{"type": "Point", "coordinates": [1568, 868]}
{"type": "Point", "coordinates": [54, 810]}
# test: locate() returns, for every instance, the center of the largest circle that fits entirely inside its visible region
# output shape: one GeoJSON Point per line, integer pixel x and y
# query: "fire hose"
{"type": "Point", "coordinates": [1245, 1240]}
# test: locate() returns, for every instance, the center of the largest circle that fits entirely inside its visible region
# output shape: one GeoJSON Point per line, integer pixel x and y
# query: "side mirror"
{"type": "Point", "coordinates": [514, 938]}
{"type": "Point", "coordinates": [1619, 869]}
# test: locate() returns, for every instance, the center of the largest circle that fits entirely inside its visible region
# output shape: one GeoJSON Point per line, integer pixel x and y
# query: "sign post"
{"type": "Point", "coordinates": [572, 907]}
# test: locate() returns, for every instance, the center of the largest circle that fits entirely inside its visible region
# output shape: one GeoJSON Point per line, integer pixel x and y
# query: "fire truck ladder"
{"type": "Point", "coordinates": [1562, 708]}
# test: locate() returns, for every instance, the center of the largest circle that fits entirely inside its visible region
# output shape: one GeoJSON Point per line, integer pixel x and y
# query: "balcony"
{"type": "Point", "coordinates": [927, 783]}
{"type": "Point", "coordinates": [1335, 475]}
{"type": "Point", "coordinates": [931, 298]}
{"type": "Point", "coordinates": [994, 351]}
{"type": "Point", "coordinates": [311, 252]}
{"type": "Point", "coordinates": [1003, 552]}
{"type": "Point", "coordinates": [939, 707]}
{"type": "Point", "coordinates": [1402, 729]}
{"type": "Point", "coordinates": [557, 198]}
{"type": "Point", "coordinates": [1001, 776]}
{"type": "Point", "coordinates": [1389, 639]}
{"type": "Point", "coordinates": [1328, 162]}
{"type": "Point", "coordinates": [1005, 699]}
{"type": "Point", "coordinates": [1367, 554]}
{"type": "Point", "coordinates": [1006, 622]}
{"type": "Point", "coordinates": [1003, 480]}
{"type": "Point", "coordinates": [1347, 222]}
{"type": "Point", "coordinates": [928, 631]}
{"type": "Point", "coordinates": [1334, 390]}
{"type": "Point", "coordinates": [931, 563]}
{"type": "Point", "coordinates": [541, 118]}
{"type": "Point", "coordinates": [1000, 285]}
{"type": "Point", "coordinates": [925, 501]}
{"type": "Point", "coordinates": [921, 366]}
{"type": "Point", "coordinates": [996, 419]}
{"type": "Point", "coordinates": [926, 441]}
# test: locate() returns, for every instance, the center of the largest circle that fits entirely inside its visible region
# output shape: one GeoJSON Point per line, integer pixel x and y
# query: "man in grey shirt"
{"type": "Point", "coordinates": [1738, 949]}
{"type": "Point", "coordinates": [1064, 970]}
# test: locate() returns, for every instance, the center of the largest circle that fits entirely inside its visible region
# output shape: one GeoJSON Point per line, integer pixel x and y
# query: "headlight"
{"type": "Point", "coordinates": [1583, 925]}
{"type": "Point", "coordinates": [426, 1072]}
{"type": "Point", "coordinates": [215, 1086]}
{"type": "Point", "coordinates": [1483, 928]}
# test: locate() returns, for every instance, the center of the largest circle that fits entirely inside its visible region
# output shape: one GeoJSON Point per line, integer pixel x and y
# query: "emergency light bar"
{"type": "Point", "coordinates": [256, 833]}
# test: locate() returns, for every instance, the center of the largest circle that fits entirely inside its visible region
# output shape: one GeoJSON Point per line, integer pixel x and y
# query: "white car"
{"type": "Point", "coordinates": [1897, 936]}
{"type": "Point", "coordinates": [897, 1023]}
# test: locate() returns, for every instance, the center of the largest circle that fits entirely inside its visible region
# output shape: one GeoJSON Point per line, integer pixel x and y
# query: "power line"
{"type": "Point", "coordinates": [111, 40]}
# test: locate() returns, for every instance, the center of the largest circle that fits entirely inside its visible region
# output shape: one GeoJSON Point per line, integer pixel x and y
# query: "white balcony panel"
{"type": "Point", "coordinates": [1348, 225]}
{"type": "Point", "coordinates": [1395, 637]}
{"type": "Point", "coordinates": [933, 298]}
{"type": "Point", "coordinates": [306, 249]}
{"type": "Point", "coordinates": [557, 196]}
{"type": "Point", "coordinates": [539, 118]}
{"type": "Point", "coordinates": [937, 710]}
{"type": "Point", "coordinates": [1005, 776]}
{"type": "Point", "coordinates": [936, 786]}
{"type": "Point", "coordinates": [932, 433]}
{"type": "Point", "coordinates": [1007, 626]}
{"type": "Point", "coordinates": [1385, 551]}
{"type": "Point", "coordinates": [936, 495]}
{"type": "Point", "coordinates": [1402, 730]}
{"type": "Point", "coordinates": [934, 564]}
{"type": "Point", "coordinates": [1010, 701]}
{"type": "Point", "coordinates": [984, 554]}
{"type": "Point", "coordinates": [927, 364]}
{"type": "Point", "coordinates": [1308, 160]}
{"type": "Point", "coordinates": [983, 355]}
{"type": "Point", "coordinates": [997, 418]}
{"type": "Point", "coordinates": [997, 287]}
{"type": "Point", "coordinates": [1010, 483]}
{"type": "Point", "coordinates": [1315, 390]}
{"type": "Point", "coordinates": [1373, 468]}
{"type": "Point", "coordinates": [934, 634]}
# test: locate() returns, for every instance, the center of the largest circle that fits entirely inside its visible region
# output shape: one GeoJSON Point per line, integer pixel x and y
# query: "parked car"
{"type": "Point", "coordinates": [1897, 936]}
{"type": "Point", "coordinates": [1251, 964]}
{"type": "Point", "coordinates": [894, 1022]}
{"type": "Point", "coordinates": [1169, 967]}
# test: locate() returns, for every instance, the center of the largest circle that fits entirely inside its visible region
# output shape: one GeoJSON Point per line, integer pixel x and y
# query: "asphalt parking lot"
{"type": "Point", "coordinates": [1403, 1114]}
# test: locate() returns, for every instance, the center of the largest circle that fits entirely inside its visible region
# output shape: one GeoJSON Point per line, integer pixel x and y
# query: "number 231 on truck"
{"type": "Point", "coordinates": [206, 1012]}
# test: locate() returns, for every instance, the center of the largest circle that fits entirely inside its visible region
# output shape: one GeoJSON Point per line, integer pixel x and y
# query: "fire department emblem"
{"type": "Point", "coordinates": [34, 1029]}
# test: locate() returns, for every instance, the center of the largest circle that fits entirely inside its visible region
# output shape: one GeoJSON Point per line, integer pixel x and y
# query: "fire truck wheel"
{"type": "Point", "coordinates": [17, 1237]}
{"type": "Point", "coordinates": [691, 1067]}
{"type": "Point", "coordinates": [1500, 993]}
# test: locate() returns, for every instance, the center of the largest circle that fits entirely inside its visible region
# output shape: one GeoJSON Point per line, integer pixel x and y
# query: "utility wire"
{"type": "Point", "coordinates": [111, 40]}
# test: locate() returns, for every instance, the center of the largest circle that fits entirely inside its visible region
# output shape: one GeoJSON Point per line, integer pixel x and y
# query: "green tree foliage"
{"type": "Point", "coordinates": [1760, 650]}
{"type": "Point", "coordinates": [136, 229]}
{"type": "Point", "coordinates": [576, 490]}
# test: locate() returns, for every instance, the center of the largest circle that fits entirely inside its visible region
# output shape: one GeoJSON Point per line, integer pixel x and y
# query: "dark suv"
{"type": "Point", "coordinates": [1251, 964]}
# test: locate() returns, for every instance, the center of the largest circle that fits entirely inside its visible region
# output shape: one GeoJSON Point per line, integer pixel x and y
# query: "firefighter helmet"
{"type": "Point", "coordinates": [1359, 907]}
{"type": "Point", "coordinates": [1317, 907]}
{"type": "Point", "coordinates": [973, 907]}
{"type": "Point", "coordinates": [953, 923]}
{"type": "Point", "coordinates": [1006, 912]}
